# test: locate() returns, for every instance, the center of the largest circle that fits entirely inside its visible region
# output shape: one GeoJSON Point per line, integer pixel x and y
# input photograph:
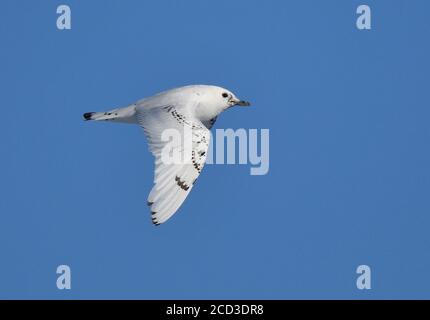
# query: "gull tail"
{"type": "Point", "coordinates": [123, 115]}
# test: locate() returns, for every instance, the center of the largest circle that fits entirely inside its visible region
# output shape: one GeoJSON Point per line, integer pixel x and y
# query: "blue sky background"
{"type": "Point", "coordinates": [349, 181]}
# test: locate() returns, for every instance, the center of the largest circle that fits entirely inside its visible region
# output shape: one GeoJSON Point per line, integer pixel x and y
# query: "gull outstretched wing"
{"type": "Point", "coordinates": [173, 181]}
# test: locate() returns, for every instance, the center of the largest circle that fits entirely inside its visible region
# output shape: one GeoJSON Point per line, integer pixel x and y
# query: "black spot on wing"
{"type": "Point", "coordinates": [154, 220]}
{"type": "Point", "coordinates": [168, 108]}
{"type": "Point", "coordinates": [197, 165]}
{"type": "Point", "coordinates": [181, 183]}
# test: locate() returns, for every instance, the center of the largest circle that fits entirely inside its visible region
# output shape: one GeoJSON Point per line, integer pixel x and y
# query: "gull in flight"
{"type": "Point", "coordinates": [194, 108]}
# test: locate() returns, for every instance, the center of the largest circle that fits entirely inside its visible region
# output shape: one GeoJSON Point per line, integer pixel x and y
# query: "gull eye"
{"type": "Point", "coordinates": [225, 95]}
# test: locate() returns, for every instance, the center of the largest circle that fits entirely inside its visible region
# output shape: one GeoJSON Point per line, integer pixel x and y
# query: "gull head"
{"type": "Point", "coordinates": [226, 98]}
{"type": "Point", "coordinates": [213, 100]}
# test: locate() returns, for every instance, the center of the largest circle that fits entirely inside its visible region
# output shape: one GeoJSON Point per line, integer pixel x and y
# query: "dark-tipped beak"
{"type": "Point", "coordinates": [243, 103]}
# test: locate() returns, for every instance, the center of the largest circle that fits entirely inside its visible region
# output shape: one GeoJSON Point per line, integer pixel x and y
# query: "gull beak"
{"type": "Point", "coordinates": [242, 103]}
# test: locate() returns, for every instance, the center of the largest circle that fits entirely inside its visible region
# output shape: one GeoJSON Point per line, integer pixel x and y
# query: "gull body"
{"type": "Point", "coordinates": [194, 108]}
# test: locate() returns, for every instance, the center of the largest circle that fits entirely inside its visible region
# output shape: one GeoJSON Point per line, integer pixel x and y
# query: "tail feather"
{"type": "Point", "coordinates": [88, 115]}
{"type": "Point", "coordinates": [125, 115]}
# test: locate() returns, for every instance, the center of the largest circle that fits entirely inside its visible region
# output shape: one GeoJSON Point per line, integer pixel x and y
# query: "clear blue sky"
{"type": "Point", "coordinates": [349, 181]}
